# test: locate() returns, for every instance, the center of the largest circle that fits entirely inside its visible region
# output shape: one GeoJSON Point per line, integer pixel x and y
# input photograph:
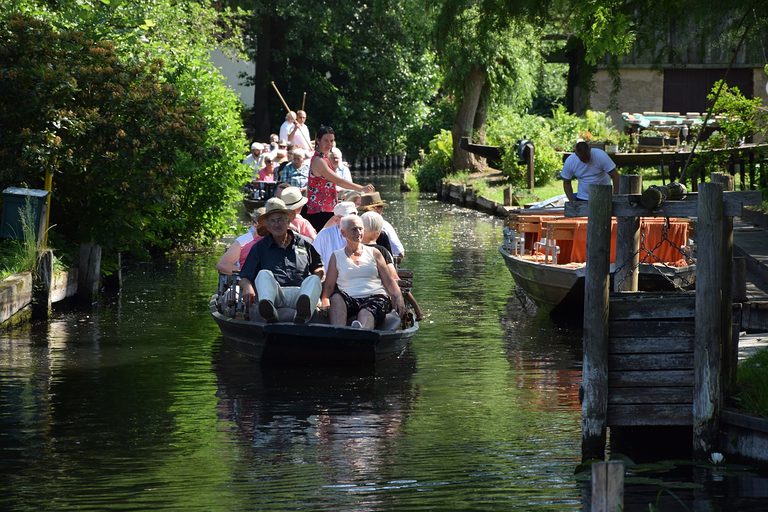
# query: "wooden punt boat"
{"type": "Point", "coordinates": [314, 342]}
{"type": "Point", "coordinates": [551, 270]}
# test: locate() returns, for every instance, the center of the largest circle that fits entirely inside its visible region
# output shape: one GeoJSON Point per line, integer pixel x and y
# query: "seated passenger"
{"type": "Point", "coordinates": [296, 172]}
{"type": "Point", "coordinates": [234, 257]}
{"type": "Point", "coordinates": [267, 173]}
{"type": "Point", "coordinates": [359, 285]}
{"type": "Point", "coordinates": [373, 202]}
{"type": "Point", "coordinates": [330, 238]}
{"type": "Point", "coordinates": [372, 225]}
{"type": "Point", "coordinates": [282, 269]}
{"type": "Point", "coordinates": [294, 200]}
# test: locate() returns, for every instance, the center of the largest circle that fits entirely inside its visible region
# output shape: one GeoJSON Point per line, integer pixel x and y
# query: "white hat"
{"type": "Point", "coordinates": [256, 145]}
{"type": "Point", "coordinates": [344, 208]}
{"type": "Point", "coordinates": [292, 198]}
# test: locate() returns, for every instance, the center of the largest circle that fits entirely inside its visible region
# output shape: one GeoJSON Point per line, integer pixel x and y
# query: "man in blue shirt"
{"type": "Point", "coordinates": [295, 172]}
{"type": "Point", "coordinates": [590, 166]}
{"type": "Point", "coordinates": [282, 269]}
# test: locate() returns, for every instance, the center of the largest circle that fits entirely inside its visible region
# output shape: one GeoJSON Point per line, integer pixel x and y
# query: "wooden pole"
{"type": "Point", "coordinates": [88, 272]}
{"type": "Point", "coordinates": [531, 159]}
{"type": "Point", "coordinates": [594, 408]}
{"type": "Point", "coordinates": [627, 240]}
{"type": "Point", "coordinates": [309, 143]}
{"type": "Point", "coordinates": [303, 100]}
{"type": "Point", "coordinates": [608, 486]}
{"type": "Point", "coordinates": [726, 315]}
{"type": "Point", "coordinates": [49, 187]}
{"type": "Point", "coordinates": [709, 328]}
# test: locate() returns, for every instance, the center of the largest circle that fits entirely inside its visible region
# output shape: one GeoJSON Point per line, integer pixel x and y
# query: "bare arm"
{"type": "Point", "coordinates": [568, 189]}
{"type": "Point", "coordinates": [389, 283]}
{"type": "Point", "coordinates": [228, 261]}
{"type": "Point", "coordinates": [320, 169]}
{"type": "Point", "coordinates": [247, 291]}
{"type": "Point", "coordinates": [614, 174]}
{"type": "Point", "coordinates": [330, 282]}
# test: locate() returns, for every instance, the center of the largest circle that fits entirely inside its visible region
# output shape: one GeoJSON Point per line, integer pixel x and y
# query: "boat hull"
{"type": "Point", "coordinates": [311, 343]}
{"type": "Point", "coordinates": [560, 290]}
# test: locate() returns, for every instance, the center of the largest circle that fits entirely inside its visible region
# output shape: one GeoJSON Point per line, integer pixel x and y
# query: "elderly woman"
{"type": "Point", "coordinates": [358, 283]}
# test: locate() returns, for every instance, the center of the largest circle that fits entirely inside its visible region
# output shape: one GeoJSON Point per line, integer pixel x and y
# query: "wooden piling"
{"type": "Point", "coordinates": [709, 326]}
{"type": "Point", "coordinates": [627, 240]}
{"type": "Point", "coordinates": [89, 272]}
{"type": "Point", "coordinates": [41, 286]}
{"type": "Point", "coordinates": [595, 367]}
{"type": "Point", "coordinates": [729, 364]}
{"type": "Point", "coordinates": [607, 486]}
{"type": "Point", "coordinates": [531, 161]}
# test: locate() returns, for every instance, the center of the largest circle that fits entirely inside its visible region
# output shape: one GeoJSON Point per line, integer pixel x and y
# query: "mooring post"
{"type": "Point", "coordinates": [627, 240]}
{"type": "Point", "coordinates": [730, 353]}
{"type": "Point", "coordinates": [709, 327]}
{"type": "Point", "coordinates": [531, 167]}
{"type": "Point", "coordinates": [594, 408]}
{"type": "Point", "coordinates": [42, 282]}
{"type": "Point", "coordinates": [89, 272]}
{"type": "Point", "coordinates": [608, 486]}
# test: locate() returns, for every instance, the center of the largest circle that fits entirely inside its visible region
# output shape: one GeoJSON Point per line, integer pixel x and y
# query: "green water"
{"type": "Point", "coordinates": [137, 404]}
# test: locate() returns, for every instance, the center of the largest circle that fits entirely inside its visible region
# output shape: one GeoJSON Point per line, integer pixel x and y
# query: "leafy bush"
{"type": "Point", "coordinates": [433, 166]}
{"type": "Point", "coordinates": [752, 382]}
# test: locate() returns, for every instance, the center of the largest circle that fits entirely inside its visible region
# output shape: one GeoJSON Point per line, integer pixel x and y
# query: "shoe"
{"type": "Point", "coordinates": [267, 311]}
{"type": "Point", "coordinates": [356, 324]}
{"type": "Point", "coordinates": [303, 310]}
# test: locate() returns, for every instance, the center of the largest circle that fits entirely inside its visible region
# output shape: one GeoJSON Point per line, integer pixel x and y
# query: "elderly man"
{"type": "Point", "coordinates": [294, 200]}
{"type": "Point", "coordinates": [330, 238]}
{"type": "Point", "coordinates": [337, 165]}
{"type": "Point", "coordinates": [255, 160]}
{"type": "Point", "coordinates": [296, 172]}
{"type": "Point", "coordinates": [283, 267]}
{"type": "Point", "coordinates": [590, 166]}
{"type": "Point", "coordinates": [299, 134]}
{"type": "Point", "coordinates": [285, 128]}
{"type": "Point", "coordinates": [372, 202]}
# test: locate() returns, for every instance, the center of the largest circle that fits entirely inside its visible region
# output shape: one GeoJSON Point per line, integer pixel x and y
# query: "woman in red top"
{"type": "Point", "coordinates": [321, 186]}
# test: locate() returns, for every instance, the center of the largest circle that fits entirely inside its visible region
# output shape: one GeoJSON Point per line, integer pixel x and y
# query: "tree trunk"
{"type": "Point", "coordinates": [465, 118]}
{"type": "Point", "coordinates": [580, 75]}
{"type": "Point", "coordinates": [263, 92]}
{"type": "Point", "coordinates": [481, 115]}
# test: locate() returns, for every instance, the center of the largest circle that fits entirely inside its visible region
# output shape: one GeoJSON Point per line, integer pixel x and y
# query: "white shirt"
{"type": "Point", "coordinates": [394, 240]}
{"type": "Point", "coordinates": [361, 279]}
{"type": "Point", "coordinates": [285, 129]}
{"type": "Point", "coordinates": [299, 141]}
{"type": "Point", "coordinates": [328, 240]}
{"type": "Point", "coordinates": [343, 171]}
{"type": "Point", "coordinates": [593, 173]}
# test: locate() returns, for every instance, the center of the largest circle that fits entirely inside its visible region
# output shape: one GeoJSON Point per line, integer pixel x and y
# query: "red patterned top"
{"type": "Point", "coordinates": [321, 193]}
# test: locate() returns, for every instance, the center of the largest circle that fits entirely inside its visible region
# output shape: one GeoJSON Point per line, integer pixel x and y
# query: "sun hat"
{"type": "Point", "coordinates": [344, 208]}
{"type": "Point", "coordinates": [256, 145]}
{"type": "Point", "coordinates": [370, 200]}
{"type": "Point", "coordinates": [274, 205]}
{"type": "Point", "coordinates": [292, 198]}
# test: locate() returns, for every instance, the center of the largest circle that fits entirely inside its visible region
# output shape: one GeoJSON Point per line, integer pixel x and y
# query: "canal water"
{"type": "Point", "coordinates": [138, 404]}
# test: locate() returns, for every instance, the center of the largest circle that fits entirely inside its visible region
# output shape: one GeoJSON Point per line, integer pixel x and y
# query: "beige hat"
{"type": "Point", "coordinates": [274, 205]}
{"type": "Point", "coordinates": [292, 198]}
{"type": "Point", "coordinates": [344, 208]}
{"type": "Point", "coordinates": [258, 212]}
{"type": "Point", "coordinates": [370, 200]}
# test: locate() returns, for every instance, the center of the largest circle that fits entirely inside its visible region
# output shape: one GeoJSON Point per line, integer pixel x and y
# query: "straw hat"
{"type": "Point", "coordinates": [274, 205]}
{"type": "Point", "coordinates": [370, 201]}
{"type": "Point", "coordinates": [292, 198]}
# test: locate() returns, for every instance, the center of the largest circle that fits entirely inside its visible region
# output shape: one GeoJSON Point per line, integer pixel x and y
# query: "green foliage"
{"type": "Point", "coordinates": [146, 151]}
{"type": "Point", "coordinates": [742, 117]}
{"type": "Point", "coordinates": [434, 165]}
{"type": "Point", "coordinates": [752, 382]}
{"type": "Point", "coordinates": [20, 255]}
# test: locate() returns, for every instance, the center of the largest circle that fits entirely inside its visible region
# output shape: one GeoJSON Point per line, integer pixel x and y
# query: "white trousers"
{"type": "Point", "coordinates": [267, 288]}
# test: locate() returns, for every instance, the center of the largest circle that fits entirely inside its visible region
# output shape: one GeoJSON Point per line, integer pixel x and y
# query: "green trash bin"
{"type": "Point", "coordinates": [14, 203]}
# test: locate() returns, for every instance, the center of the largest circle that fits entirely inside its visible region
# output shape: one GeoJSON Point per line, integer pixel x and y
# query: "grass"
{"type": "Point", "coordinates": [752, 383]}
{"type": "Point", "coordinates": [20, 255]}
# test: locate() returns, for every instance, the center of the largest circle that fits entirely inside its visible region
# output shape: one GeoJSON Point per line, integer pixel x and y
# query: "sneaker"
{"type": "Point", "coordinates": [356, 324]}
{"type": "Point", "coordinates": [267, 311]}
{"type": "Point", "coordinates": [303, 310]}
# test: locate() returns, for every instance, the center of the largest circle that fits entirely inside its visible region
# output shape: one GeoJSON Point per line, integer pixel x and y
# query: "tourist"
{"type": "Point", "coordinates": [337, 164]}
{"type": "Point", "coordinates": [285, 128]}
{"type": "Point", "coordinates": [267, 173]}
{"type": "Point", "coordinates": [255, 159]}
{"type": "Point", "coordinates": [322, 181]}
{"type": "Point", "coordinates": [296, 172]}
{"type": "Point", "coordinates": [373, 202]}
{"type": "Point", "coordinates": [233, 258]}
{"type": "Point", "coordinates": [294, 200]}
{"type": "Point", "coordinates": [359, 285]}
{"type": "Point", "coordinates": [590, 166]}
{"type": "Point", "coordinates": [330, 238]}
{"type": "Point", "coordinates": [299, 133]}
{"type": "Point", "coordinates": [282, 269]}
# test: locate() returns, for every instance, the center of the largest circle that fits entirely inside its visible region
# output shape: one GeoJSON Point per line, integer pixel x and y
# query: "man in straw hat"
{"type": "Point", "coordinates": [282, 269]}
{"type": "Point", "coordinates": [372, 202]}
{"type": "Point", "coordinates": [330, 238]}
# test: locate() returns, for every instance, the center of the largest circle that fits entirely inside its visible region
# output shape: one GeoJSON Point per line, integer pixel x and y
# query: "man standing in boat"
{"type": "Point", "coordinates": [282, 269]}
{"type": "Point", "coordinates": [590, 166]}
